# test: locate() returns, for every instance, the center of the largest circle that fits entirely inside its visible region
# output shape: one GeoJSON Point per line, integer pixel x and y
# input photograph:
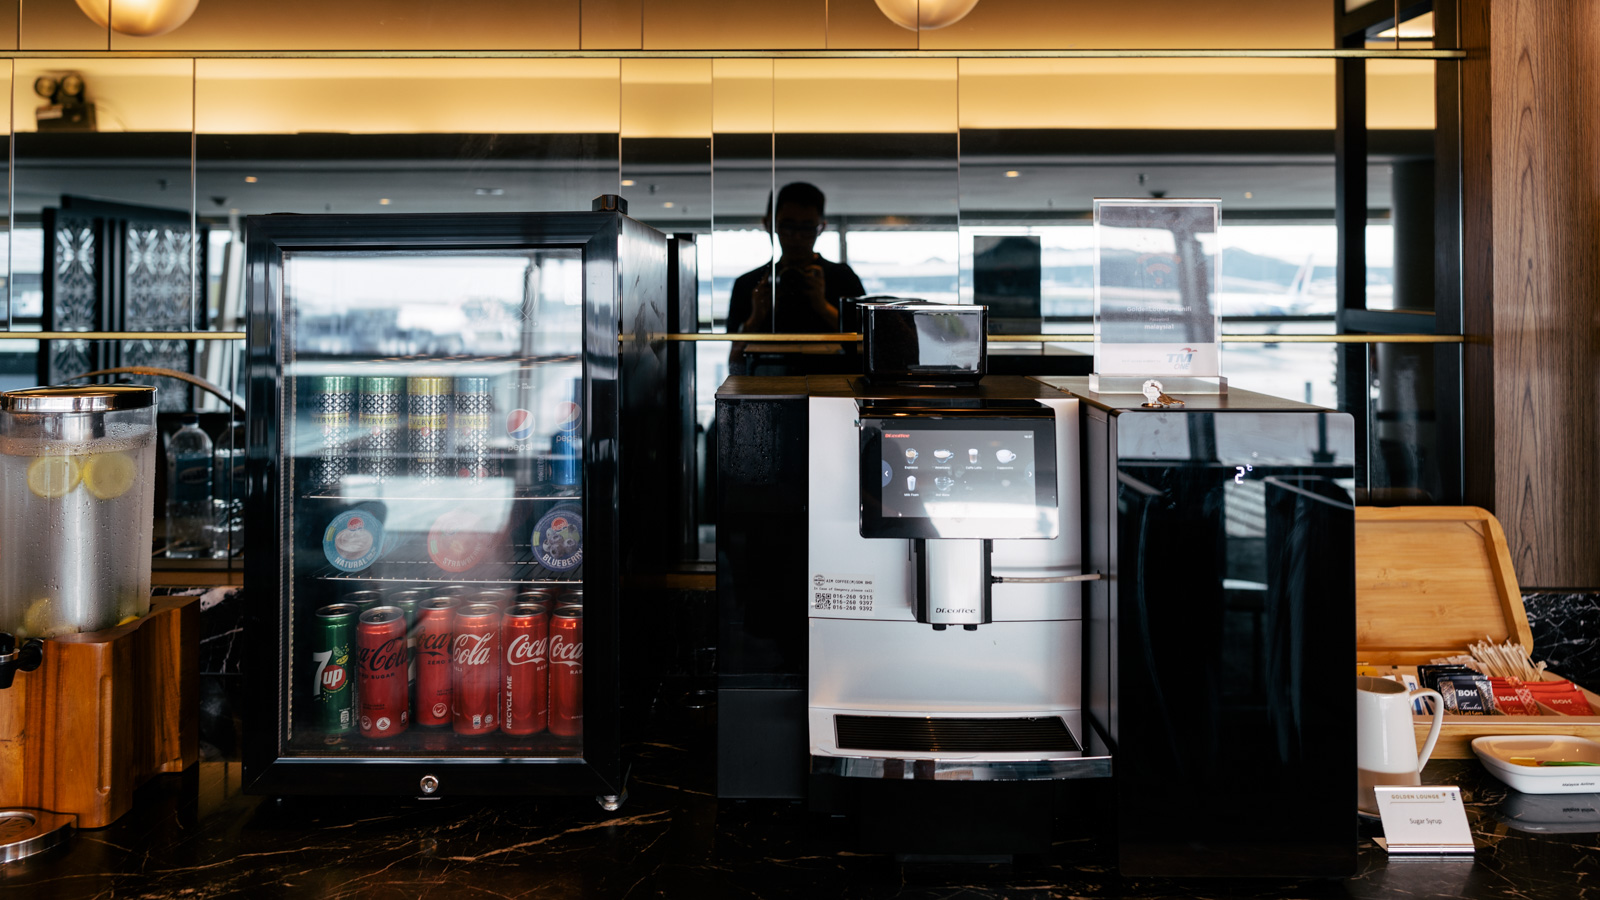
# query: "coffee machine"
{"type": "Point", "coordinates": [927, 675]}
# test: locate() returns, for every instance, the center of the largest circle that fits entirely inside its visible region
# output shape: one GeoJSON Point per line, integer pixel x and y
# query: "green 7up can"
{"type": "Point", "coordinates": [333, 683]}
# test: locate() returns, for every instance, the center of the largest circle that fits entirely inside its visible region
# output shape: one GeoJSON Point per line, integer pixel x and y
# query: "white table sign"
{"type": "Point", "coordinates": [1423, 820]}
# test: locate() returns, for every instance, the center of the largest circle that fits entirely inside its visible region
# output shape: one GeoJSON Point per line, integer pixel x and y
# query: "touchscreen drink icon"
{"type": "Point", "coordinates": [942, 455]}
{"type": "Point", "coordinates": [972, 456]}
{"type": "Point", "coordinates": [911, 457]}
{"type": "Point", "coordinates": [1004, 456]}
{"type": "Point", "coordinates": [911, 482]}
{"type": "Point", "coordinates": [944, 483]}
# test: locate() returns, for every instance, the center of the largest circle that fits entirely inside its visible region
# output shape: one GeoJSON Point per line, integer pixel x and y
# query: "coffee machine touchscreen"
{"type": "Point", "coordinates": [944, 478]}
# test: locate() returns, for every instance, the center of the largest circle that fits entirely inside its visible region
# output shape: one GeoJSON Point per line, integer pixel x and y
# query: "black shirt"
{"type": "Point", "coordinates": [793, 317]}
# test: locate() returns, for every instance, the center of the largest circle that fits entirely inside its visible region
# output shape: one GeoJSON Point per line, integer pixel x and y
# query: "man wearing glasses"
{"type": "Point", "coordinates": [801, 293]}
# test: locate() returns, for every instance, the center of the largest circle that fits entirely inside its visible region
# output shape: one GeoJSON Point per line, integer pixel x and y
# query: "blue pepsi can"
{"type": "Point", "coordinates": [566, 444]}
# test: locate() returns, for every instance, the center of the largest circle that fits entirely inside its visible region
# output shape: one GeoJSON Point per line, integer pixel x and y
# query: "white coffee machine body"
{"type": "Point", "coordinates": [997, 699]}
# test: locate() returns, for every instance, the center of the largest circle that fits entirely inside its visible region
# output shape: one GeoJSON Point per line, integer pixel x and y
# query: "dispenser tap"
{"type": "Point", "coordinates": [14, 659]}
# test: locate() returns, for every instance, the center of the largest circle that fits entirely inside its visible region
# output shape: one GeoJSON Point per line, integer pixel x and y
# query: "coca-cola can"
{"type": "Point", "coordinates": [475, 669]}
{"type": "Point", "coordinates": [381, 664]}
{"type": "Point", "coordinates": [450, 590]}
{"type": "Point", "coordinates": [573, 595]}
{"type": "Point", "coordinates": [434, 621]}
{"type": "Point", "coordinates": [498, 598]}
{"type": "Point", "coordinates": [547, 596]}
{"type": "Point", "coordinates": [525, 632]}
{"type": "Point", "coordinates": [566, 672]}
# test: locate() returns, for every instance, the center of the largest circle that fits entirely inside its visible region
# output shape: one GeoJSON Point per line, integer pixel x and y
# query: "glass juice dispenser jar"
{"type": "Point", "coordinates": [436, 407]}
{"type": "Point", "coordinates": [76, 512]}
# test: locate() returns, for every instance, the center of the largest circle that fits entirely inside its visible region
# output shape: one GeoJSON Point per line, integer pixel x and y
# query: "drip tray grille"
{"type": "Point", "coordinates": [935, 735]}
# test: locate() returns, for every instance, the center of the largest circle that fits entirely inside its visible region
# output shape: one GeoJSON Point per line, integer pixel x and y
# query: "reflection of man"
{"type": "Point", "coordinates": [808, 288]}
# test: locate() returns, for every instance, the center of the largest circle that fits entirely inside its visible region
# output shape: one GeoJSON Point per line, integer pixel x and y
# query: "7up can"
{"type": "Point", "coordinates": [333, 686]}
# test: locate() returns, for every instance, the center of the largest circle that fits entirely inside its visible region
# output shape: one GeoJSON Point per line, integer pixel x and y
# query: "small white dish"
{"type": "Point", "coordinates": [1496, 753]}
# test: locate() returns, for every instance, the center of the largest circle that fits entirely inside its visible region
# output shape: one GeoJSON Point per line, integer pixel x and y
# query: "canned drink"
{"type": "Point", "coordinates": [474, 419]}
{"type": "Point", "coordinates": [451, 590]}
{"type": "Point", "coordinates": [572, 595]}
{"type": "Point", "coordinates": [409, 603]}
{"type": "Point", "coordinates": [428, 422]}
{"type": "Point", "coordinates": [333, 684]}
{"type": "Point", "coordinates": [364, 600]}
{"type": "Point", "coordinates": [525, 632]}
{"type": "Point", "coordinates": [547, 596]}
{"type": "Point", "coordinates": [378, 423]}
{"type": "Point", "coordinates": [498, 598]}
{"type": "Point", "coordinates": [475, 669]}
{"type": "Point", "coordinates": [381, 651]}
{"type": "Point", "coordinates": [433, 660]}
{"type": "Point", "coordinates": [566, 445]}
{"type": "Point", "coordinates": [332, 402]}
{"type": "Point", "coordinates": [566, 672]}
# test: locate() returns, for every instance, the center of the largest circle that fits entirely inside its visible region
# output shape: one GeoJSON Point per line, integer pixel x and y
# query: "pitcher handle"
{"type": "Point", "coordinates": [1433, 733]}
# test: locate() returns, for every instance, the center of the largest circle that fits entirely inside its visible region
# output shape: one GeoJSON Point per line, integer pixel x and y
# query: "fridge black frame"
{"type": "Point", "coordinates": [624, 277]}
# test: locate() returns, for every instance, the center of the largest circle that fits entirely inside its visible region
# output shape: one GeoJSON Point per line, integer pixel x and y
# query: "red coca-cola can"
{"type": "Point", "coordinates": [525, 632]}
{"type": "Point", "coordinates": [566, 671]}
{"type": "Point", "coordinates": [381, 666]}
{"type": "Point", "coordinates": [475, 669]}
{"type": "Point", "coordinates": [434, 621]}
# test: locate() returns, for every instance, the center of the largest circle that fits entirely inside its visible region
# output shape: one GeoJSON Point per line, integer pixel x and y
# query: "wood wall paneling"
{"type": "Point", "coordinates": [720, 25]}
{"type": "Point", "coordinates": [10, 12]}
{"type": "Point", "coordinates": [1150, 24]}
{"type": "Point", "coordinates": [369, 25]}
{"type": "Point", "coordinates": [612, 24]}
{"type": "Point", "coordinates": [861, 25]}
{"type": "Point", "coordinates": [58, 25]}
{"type": "Point", "coordinates": [1544, 150]}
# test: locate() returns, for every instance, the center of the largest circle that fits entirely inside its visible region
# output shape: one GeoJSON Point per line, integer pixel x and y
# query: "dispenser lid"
{"type": "Point", "coordinates": [79, 398]}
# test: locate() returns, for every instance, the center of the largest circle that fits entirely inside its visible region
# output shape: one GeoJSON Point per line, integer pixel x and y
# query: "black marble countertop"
{"type": "Point", "coordinates": [196, 836]}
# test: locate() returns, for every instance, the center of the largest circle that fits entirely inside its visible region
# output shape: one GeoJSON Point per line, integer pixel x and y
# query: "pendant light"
{"type": "Point", "coordinates": [139, 18]}
{"type": "Point", "coordinates": [920, 15]}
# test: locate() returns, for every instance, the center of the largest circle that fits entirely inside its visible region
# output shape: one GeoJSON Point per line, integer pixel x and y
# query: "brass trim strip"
{"type": "Point", "coordinates": [708, 337]}
{"type": "Point", "coordinates": [1340, 53]}
{"type": "Point", "coordinates": [122, 335]}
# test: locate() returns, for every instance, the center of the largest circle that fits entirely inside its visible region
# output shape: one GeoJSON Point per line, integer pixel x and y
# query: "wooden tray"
{"type": "Point", "coordinates": [102, 714]}
{"type": "Point", "coordinates": [1431, 580]}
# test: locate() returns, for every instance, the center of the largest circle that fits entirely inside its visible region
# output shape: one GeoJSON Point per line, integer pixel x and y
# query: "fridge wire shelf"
{"type": "Point", "coordinates": [410, 563]}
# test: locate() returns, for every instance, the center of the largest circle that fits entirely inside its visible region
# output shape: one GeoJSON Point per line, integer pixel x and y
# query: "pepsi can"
{"type": "Point", "coordinates": [566, 444]}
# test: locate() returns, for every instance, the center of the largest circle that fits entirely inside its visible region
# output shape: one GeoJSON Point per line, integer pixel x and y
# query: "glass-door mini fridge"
{"type": "Point", "coordinates": [438, 406]}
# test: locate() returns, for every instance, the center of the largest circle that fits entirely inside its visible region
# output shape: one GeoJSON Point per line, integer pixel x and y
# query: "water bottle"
{"type": "Point", "coordinates": [228, 490]}
{"type": "Point", "coordinates": [189, 465]}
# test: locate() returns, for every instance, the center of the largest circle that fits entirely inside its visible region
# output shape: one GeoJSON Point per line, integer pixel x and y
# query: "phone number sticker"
{"type": "Point", "coordinates": [842, 593]}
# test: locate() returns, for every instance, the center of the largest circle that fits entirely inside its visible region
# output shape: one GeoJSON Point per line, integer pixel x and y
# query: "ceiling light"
{"type": "Point", "coordinates": [1012, 173]}
{"type": "Point", "coordinates": [489, 192]}
{"type": "Point", "coordinates": [1249, 195]}
{"type": "Point", "coordinates": [384, 202]}
{"type": "Point", "coordinates": [925, 15]}
{"type": "Point", "coordinates": [667, 205]}
{"type": "Point", "coordinates": [627, 182]}
{"type": "Point", "coordinates": [139, 18]}
{"type": "Point", "coordinates": [250, 179]}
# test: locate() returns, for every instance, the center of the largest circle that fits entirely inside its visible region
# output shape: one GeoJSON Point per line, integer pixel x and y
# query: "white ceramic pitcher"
{"type": "Point", "coordinates": [1386, 745]}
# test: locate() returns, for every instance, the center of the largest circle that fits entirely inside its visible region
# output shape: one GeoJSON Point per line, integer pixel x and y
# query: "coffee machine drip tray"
{"type": "Point", "coordinates": [1015, 745]}
{"type": "Point", "coordinates": [950, 735]}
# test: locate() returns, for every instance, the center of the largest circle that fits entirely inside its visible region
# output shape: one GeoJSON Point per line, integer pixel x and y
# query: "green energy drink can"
{"type": "Point", "coordinates": [428, 417]}
{"type": "Point", "coordinates": [378, 423]}
{"type": "Point", "coordinates": [332, 402]}
{"type": "Point", "coordinates": [333, 682]}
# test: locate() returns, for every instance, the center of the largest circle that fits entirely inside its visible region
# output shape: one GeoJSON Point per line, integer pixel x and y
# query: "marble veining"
{"type": "Point", "coordinates": [1566, 632]}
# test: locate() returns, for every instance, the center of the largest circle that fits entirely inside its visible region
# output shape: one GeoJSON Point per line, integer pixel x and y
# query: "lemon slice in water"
{"type": "Point", "coordinates": [52, 476]}
{"type": "Point", "coordinates": [109, 475]}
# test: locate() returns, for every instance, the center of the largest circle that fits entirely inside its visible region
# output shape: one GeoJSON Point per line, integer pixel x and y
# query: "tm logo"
{"type": "Point", "coordinates": [1182, 359]}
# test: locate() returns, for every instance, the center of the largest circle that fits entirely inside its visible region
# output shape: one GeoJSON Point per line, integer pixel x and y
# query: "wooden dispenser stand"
{"type": "Point", "coordinates": [103, 713]}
